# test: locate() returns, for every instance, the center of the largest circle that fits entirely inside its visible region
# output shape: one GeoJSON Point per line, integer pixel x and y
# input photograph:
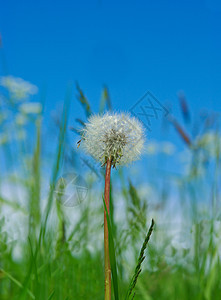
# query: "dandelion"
{"type": "Point", "coordinates": [112, 139]}
{"type": "Point", "coordinates": [117, 137]}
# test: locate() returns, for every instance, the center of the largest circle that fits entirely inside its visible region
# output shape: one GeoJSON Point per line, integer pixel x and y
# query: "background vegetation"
{"type": "Point", "coordinates": [52, 250]}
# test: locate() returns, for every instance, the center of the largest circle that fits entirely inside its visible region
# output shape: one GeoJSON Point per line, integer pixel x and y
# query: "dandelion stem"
{"type": "Point", "coordinates": [107, 268]}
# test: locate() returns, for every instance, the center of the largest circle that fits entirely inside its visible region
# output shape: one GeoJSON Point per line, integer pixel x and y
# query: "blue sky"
{"type": "Point", "coordinates": [130, 46]}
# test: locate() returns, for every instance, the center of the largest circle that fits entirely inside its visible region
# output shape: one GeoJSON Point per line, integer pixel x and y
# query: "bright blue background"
{"type": "Point", "coordinates": [131, 46]}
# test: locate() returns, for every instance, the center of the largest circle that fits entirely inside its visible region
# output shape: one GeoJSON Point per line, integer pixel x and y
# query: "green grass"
{"type": "Point", "coordinates": [57, 252]}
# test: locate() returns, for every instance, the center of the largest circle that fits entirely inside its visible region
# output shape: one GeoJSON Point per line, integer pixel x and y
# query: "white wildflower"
{"type": "Point", "coordinates": [168, 148]}
{"type": "Point", "coordinates": [114, 136]}
{"type": "Point", "coordinates": [18, 87]}
{"type": "Point", "coordinates": [20, 119]}
{"type": "Point", "coordinates": [31, 108]}
{"type": "Point", "coordinates": [4, 115]}
{"type": "Point", "coordinates": [152, 148]}
{"type": "Point", "coordinates": [3, 138]}
{"type": "Point", "coordinates": [211, 142]}
{"type": "Point", "coordinates": [21, 135]}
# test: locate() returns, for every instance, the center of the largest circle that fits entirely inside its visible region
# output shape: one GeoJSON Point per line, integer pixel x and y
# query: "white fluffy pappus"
{"type": "Point", "coordinates": [115, 136]}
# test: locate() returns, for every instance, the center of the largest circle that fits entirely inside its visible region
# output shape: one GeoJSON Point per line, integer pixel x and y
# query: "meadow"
{"type": "Point", "coordinates": [53, 249]}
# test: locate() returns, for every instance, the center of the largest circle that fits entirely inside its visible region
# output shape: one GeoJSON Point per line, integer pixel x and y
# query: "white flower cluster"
{"type": "Point", "coordinates": [18, 87]}
{"type": "Point", "coordinates": [115, 136]}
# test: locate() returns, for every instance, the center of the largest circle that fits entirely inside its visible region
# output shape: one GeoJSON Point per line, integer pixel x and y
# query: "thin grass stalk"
{"type": "Point", "coordinates": [139, 263]}
{"type": "Point", "coordinates": [107, 268]}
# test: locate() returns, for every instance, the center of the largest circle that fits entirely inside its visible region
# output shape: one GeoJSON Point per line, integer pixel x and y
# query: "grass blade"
{"type": "Point", "coordinates": [140, 260]}
{"type": "Point", "coordinates": [16, 282]}
{"type": "Point", "coordinates": [58, 161]}
{"type": "Point", "coordinates": [83, 100]}
{"type": "Point", "coordinates": [51, 295]}
{"type": "Point", "coordinates": [105, 100]}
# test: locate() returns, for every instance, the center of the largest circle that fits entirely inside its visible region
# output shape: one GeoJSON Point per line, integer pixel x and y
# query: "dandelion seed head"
{"type": "Point", "coordinates": [115, 136]}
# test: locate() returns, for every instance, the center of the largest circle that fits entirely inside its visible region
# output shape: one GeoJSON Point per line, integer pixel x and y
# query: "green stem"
{"type": "Point", "coordinates": [107, 268]}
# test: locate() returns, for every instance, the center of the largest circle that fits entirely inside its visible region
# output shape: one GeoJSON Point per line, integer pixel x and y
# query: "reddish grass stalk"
{"type": "Point", "coordinates": [183, 135]}
{"type": "Point", "coordinates": [107, 268]}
